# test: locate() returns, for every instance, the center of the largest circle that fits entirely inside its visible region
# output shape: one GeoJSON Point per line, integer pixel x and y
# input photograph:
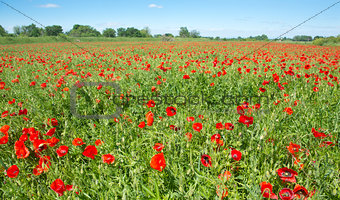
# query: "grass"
{"type": "Point", "coordinates": [262, 144]}
{"type": "Point", "coordinates": [58, 39]}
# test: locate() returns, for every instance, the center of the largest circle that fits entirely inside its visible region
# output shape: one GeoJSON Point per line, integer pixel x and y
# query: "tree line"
{"type": "Point", "coordinates": [88, 31]}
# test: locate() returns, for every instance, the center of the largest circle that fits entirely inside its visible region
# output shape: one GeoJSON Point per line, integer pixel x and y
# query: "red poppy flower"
{"type": "Point", "coordinates": [225, 176]}
{"type": "Point", "coordinates": [190, 119]}
{"type": "Point", "coordinates": [90, 151]}
{"type": "Point", "coordinates": [62, 150]}
{"type": "Point", "coordinates": [175, 128]}
{"type": "Point", "coordinates": [21, 150]}
{"type": "Point", "coordinates": [246, 120]}
{"type": "Point", "coordinates": [151, 104]}
{"type": "Point", "coordinates": [153, 89]}
{"type": "Point", "coordinates": [45, 163]}
{"type": "Point", "coordinates": [286, 194]}
{"type": "Point", "coordinates": [288, 110]}
{"type": "Point", "coordinates": [11, 102]}
{"type": "Point", "coordinates": [108, 158]}
{"type": "Point", "coordinates": [171, 111]}
{"type": "Point", "coordinates": [318, 134]}
{"type": "Point", "coordinates": [189, 136]}
{"type": "Point", "coordinates": [2, 85]}
{"type": "Point", "coordinates": [14, 114]}
{"type": "Point", "coordinates": [257, 106]}
{"type": "Point", "coordinates": [58, 186]}
{"type": "Point", "coordinates": [34, 135]}
{"type": "Point", "coordinates": [149, 118]}
{"type": "Point", "coordinates": [69, 187]}
{"type": "Point", "coordinates": [50, 132]}
{"type": "Point", "coordinates": [12, 171]}
{"type": "Point", "coordinates": [307, 66]}
{"type": "Point", "coordinates": [265, 82]}
{"type": "Point", "coordinates": [23, 112]}
{"type": "Point", "coordinates": [52, 122]}
{"type": "Point", "coordinates": [77, 142]}
{"type": "Point", "coordinates": [216, 138]}
{"type": "Point", "coordinates": [23, 137]}
{"type": "Point", "coordinates": [219, 126]}
{"type": "Point", "coordinates": [43, 85]}
{"type": "Point", "coordinates": [245, 105]}
{"type": "Point", "coordinates": [236, 155]}
{"type": "Point", "coordinates": [323, 144]}
{"type": "Point", "coordinates": [200, 116]}
{"type": "Point", "coordinates": [4, 114]}
{"type": "Point", "coordinates": [229, 126]}
{"type": "Point", "coordinates": [287, 175]}
{"type": "Point", "coordinates": [262, 89]}
{"type": "Point", "coordinates": [186, 76]}
{"type": "Point", "coordinates": [141, 125]}
{"type": "Point", "coordinates": [158, 147]}
{"type": "Point", "coordinates": [4, 128]}
{"type": "Point", "coordinates": [240, 110]}
{"type": "Point", "coordinates": [32, 131]}
{"type": "Point", "coordinates": [98, 142]}
{"type": "Point", "coordinates": [38, 170]}
{"type": "Point", "coordinates": [300, 192]}
{"type": "Point", "coordinates": [4, 136]}
{"type": "Point", "coordinates": [158, 162]}
{"type": "Point", "coordinates": [197, 127]}
{"type": "Point", "coordinates": [267, 190]}
{"type": "Point", "coordinates": [315, 89]}
{"type": "Point", "coordinates": [293, 148]}
{"type": "Point", "coordinates": [280, 86]}
{"type": "Point", "coordinates": [39, 145]}
{"type": "Point", "coordinates": [52, 142]}
{"type": "Point", "coordinates": [222, 192]}
{"type": "Point", "coordinates": [206, 160]}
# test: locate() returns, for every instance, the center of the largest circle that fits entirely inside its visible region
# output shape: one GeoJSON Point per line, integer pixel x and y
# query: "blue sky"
{"type": "Point", "coordinates": [224, 18]}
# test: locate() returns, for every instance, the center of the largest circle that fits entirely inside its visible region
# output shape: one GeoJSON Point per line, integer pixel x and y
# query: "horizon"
{"type": "Point", "coordinates": [221, 19]}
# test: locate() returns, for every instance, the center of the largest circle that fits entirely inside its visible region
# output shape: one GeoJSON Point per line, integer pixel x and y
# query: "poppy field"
{"type": "Point", "coordinates": [187, 120]}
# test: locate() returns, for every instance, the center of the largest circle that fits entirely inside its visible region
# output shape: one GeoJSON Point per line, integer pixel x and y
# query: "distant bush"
{"type": "Point", "coordinates": [327, 41]}
{"type": "Point", "coordinates": [302, 38]}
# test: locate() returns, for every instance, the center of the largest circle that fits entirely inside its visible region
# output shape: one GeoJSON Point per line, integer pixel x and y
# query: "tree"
{"type": "Point", "coordinates": [3, 32]}
{"type": "Point", "coordinates": [83, 31]}
{"type": "Point", "coordinates": [31, 31]}
{"type": "Point", "coordinates": [183, 32]}
{"type": "Point", "coordinates": [168, 35]}
{"type": "Point", "coordinates": [121, 32]}
{"type": "Point", "coordinates": [145, 32]}
{"type": "Point", "coordinates": [195, 34]}
{"type": "Point", "coordinates": [302, 38]}
{"type": "Point", "coordinates": [54, 30]}
{"type": "Point", "coordinates": [133, 32]}
{"type": "Point", "coordinates": [260, 37]}
{"type": "Point", "coordinates": [317, 37]}
{"type": "Point", "coordinates": [17, 30]}
{"type": "Point", "coordinates": [109, 32]}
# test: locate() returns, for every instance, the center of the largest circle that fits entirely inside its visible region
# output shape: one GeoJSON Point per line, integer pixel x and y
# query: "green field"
{"type": "Point", "coordinates": [253, 106]}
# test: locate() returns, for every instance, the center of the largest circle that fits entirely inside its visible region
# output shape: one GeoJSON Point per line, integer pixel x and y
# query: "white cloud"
{"type": "Point", "coordinates": [155, 6]}
{"type": "Point", "coordinates": [49, 5]}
